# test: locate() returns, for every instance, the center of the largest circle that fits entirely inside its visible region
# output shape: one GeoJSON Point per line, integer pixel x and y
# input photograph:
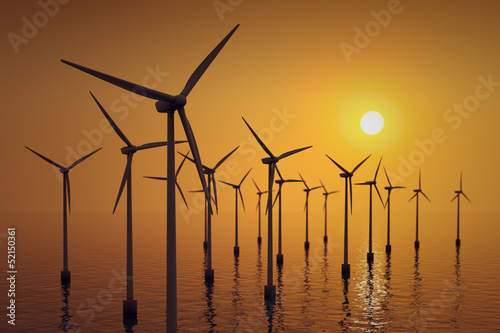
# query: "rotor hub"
{"type": "Point", "coordinates": [126, 150]}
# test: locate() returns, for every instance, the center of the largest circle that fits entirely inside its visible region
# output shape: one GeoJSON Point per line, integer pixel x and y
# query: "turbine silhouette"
{"type": "Point", "coordinates": [417, 192]}
{"type": "Point", "coordinates": [169, 104]}
{"type": "Point", "coordinates": [65, 273]}
{"type": "Point", "coordinates": [459, 193]}
{"type": "Point", "coordinates": [281, 182]}
{"type": "Point", "coordinates": [346, 268]}
{"type": "Point", "coordinates": [176, 183]}
{"type": "Point", "coordinates": [270, 289]}
{"type": "Point", "coordinates": [210, 172]}
{"type": "Point", "coordinates": [371, 183]}
{"type": "Point", "coordinates": [129, 304]}
{"type": "Point", "coordinates": [325, 208]}
{"type": "Point", "coordinates": [306, 208]}
{"type": "Point", "coordinates": [237, 188]}
{"type": "Point", "coordinates": [389, 189]}
{"type": "Point", "coordinates": [259, 193]}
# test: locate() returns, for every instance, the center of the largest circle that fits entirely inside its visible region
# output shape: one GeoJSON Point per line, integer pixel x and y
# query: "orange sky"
{"type": "Point", "coordinates": [301, 73]}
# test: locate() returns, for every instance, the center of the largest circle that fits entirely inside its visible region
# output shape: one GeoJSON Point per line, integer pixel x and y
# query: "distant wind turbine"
{"type": "Point", "coordinates": [210, 172]}
{"type": "Point", "coordinates": [270, 289]}
{"type": "Point", "coordinates": [169, 104]}
{"type": "Point", "coordinates": [307, 190]}
{"type": "Point", "coordinates": [176, 183]}
{"type": "Point", "coordinates": [459, 192]}
{"type": "Point", "coordinates": [325, 208]}
{"type": "Point", "coordinates": [129, 305]}
{"type": "Point", "coordinates": [237, 188]}
{"type": "Point", "coordinates": [259, 193]}
{"type": "Point", "coordinates": [388, 205]}
{"type": "Point", "coordinates": [346, 268]}
{"type": "Point", "coordinates": [281, 182]}
{"type": "Point", "coordinates": [417, 191]}
{"type": "Point", "coordinates": [65, 273]}
{"type": "Point", "coordinates": [369, 255]}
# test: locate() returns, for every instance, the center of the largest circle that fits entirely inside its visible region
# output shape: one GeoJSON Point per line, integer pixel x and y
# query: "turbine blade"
{"type": "Point", "coordinates": [224, 158]}
{"type": "Point", "coordinates": [258, 203]}
{"type": "Point", "coordinates": [205, 63]}
{"type": "Point", "coordinates": [413, 196]}
{"type": "Point", "coordinates": [229, 184]}
{"type": "Point", "coordinates": [338, 165]}
{"type": "Point", "coordinates": [303, 181]}
{"type": "Point", "coordinates": [245, 177]}
{"type": "Point", "coordinates": [279, 173]}
{"type": "Point", "coordinates": [456, 196]}
{"type": "Point", "coordinates": [382, 201]}
{"type": "Point", "coordinates": [292, 181]}
{"type": "Point", "coordinates": [292, 152]}
{"type": "Point", "coordinates": [419, 179]}
{"type": "Point", "coordinates": [278, 194]}
{"type": "Point", "coordinates": [112, 123]}
{"type": "Point", "coordinates": [258, 189]}
{"type": "Point", "coordinates": [132, 87]}
{"type": "Point", "coordinates": [465, 196]}
{"type": "Point", "coordinates": [159, 178]}
{"type": "Point", "coordinates": [193, 161]}
{"type": "Point", "coordinates": [307, 200]}
{"type": "Point", "coordinates": [124, 179]}
{"type": "Point", "coordinates": [68, 192]}
{"type": "Point", "coordinates": [357, 166]}
{"type": "Point", "coordinates": [214, 185]}
{"type": "Point", "coordinates": [259, 140]}
{"type": "Point", "coordinates": [386, 176]}
{"type": "Point", "coordinates": [398, 186]}
{"type": "Point", "coordinates": [425, 196]}
{"type": "Point", "coordinates": [196, 154]}
{"type": "Point", "coordinates": [182, 194]}
{"type": "Point", "coordinates": [460, 181]}
{"type": "Point", "coordinates": [315, 188]}
{"type": "Point", "coordinates": [83, 158]}
{"type": "Point", "coordinates": [376, 172]}
{"type": "Point", "coordinates": [322, 185]}
{"type": "Point", "coordinates": [180, 165]}
{"type": "Point", "coordinates": [152, 145]}
{"type": "Point", "coordinates": [332, 192]}
{"type": "Point", "coordinates": [46, 159]}
{"type": "Point", "coordinates": [241, 196]}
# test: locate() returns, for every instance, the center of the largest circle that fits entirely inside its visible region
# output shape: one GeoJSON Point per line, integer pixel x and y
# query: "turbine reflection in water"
{"type": "Point", "coordinates": [415, 320]}
{"type": "Point", "coordinates": [65, 316]}
{"type": "Point", "coordinates": [209, 314]}
{"type": "Point", "coordinates": [346, 322]}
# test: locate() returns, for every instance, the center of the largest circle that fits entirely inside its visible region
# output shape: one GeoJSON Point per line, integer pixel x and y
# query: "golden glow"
{"type": "Point", "coordinates": [372, 122]}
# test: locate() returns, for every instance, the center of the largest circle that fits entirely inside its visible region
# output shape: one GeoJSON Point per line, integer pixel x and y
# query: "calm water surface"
{"type": "Point", "coordinates": [434, 289]}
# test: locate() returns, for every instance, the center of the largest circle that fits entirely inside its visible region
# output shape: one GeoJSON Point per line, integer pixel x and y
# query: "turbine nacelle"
{"type": "Point", "coordinates": [64, 170]}
{"type": "Point", "coordinates": [270, 160]}
{"type": "Point", "coordinates": [126, 150]}
{"type": "Point", "coordinates": [458, 192]}
{"type": "Point", "coordinates": [178, 102]}
{"type": "Point", "coordinates": [417, 191]}
{"type": "Point", "coordinates": [346, 175]}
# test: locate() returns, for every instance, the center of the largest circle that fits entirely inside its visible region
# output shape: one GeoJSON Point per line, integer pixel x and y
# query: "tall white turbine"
{"type": "Point", "coordinates": [459, 193]}
{"type": "Point", "coordinates": [371, 183]}
{"type": "Point", "coordinates": [346, 267]}
{"type": "Point", "coordinates": [169, 104]}
{"type": "Point", "coordinates": [65, 273]}
{"type": "Point", "coordinates": [270, 288]}
{"type": "Point", "coordinates": [417, 192]}
{"type": "Point", "coordinates": [389, 189]}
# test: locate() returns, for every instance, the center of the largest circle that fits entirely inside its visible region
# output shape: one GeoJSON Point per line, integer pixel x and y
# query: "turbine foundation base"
{"type": "Point", "coordinates": [236, 250]}
{"type": "Point", "coordinates": [388, 248]}
{"type": "Point", "coordinates": [209, 275]}
{"type": "Point", "coordinates": [279, 259]}
{"type": "Point", "coordinates": [457, 242]}
{"type": "Point", "coordinates": [65, 277]}
{"type": "Point", "coordinates": [369, 256]}
{"type": "Point", "coordinates": [306, 245]}
{"type": "Point", "coordinates": [205, 245]}
{"type": "Point", "coordinates": [346, 270]}
{"type": "Point", "coordinates": [270, 293]}
{"type": "Point", "coordinates": [129, 306]}
{"type": "Point", "coordinates": [417, 244]}
{"type": "Point", "coordinates": [325, 239]}
{"type": "Point", "coordinates": [259, 240]}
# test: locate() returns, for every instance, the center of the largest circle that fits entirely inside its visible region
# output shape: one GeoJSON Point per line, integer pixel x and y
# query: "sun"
{"type": "Point", "coordinates": [372, 122]}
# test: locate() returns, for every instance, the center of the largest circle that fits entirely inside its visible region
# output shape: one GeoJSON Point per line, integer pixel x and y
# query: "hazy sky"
{"type": "Point", "coordinates": [300, 72]}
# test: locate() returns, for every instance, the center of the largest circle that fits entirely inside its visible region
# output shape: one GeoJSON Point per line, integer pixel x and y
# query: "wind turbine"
{"type": "Point", "coordinates": [417, 191]}
{"type": "Point", "coordinates": [209, 272]}
{"type": "Point", "coordinates": [388, 204]}
{"type": "Point", "coordinates": [281, 182]}
{"type": "Point", "coordinates": [459, 192]}
{"type": "Point", "coordinates": [169, 104]}
{"type": "Point", "coordinates": [369, 255]}
{"type": "Point", "coordinates": [176, 183]}
{"type": "Point", "coordinates": [129, 305]}
{"type": "Point", "coordinates": [325, 208]}
{"type": "Point", "coordinates": [65, 273]}
{"type": "Point", "coordinates": [346, 268]}
{"type": "Point", "coordinates": [306, 208]}
{"type": "Point", "coordinates": [270, 289]}
{"type": "Point", "coordinates": [259, 193]}
{"type": "Point", "coordinates": [237, 188]}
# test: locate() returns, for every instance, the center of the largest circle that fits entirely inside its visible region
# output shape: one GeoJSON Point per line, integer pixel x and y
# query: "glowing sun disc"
{"type": "Point", "coordinates": [372, 122]}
